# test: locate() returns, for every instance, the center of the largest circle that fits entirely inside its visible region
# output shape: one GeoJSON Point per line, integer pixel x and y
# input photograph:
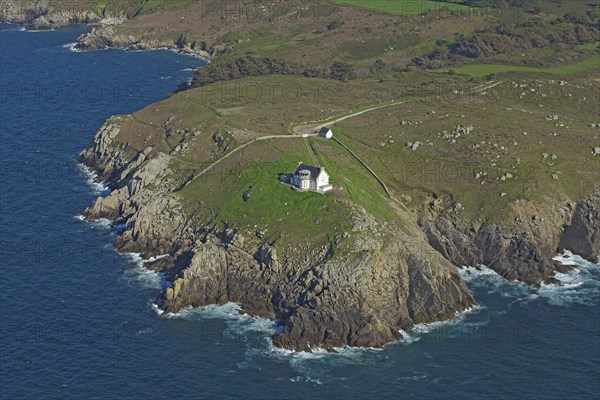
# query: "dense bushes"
{"type": "Point", "coordinates": [503, 39]}
{"type": "Point", "coordinates": [255, 66]}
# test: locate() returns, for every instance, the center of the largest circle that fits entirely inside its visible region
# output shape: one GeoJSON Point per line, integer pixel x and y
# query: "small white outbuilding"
{"type": "Point", "coordinates": [326, 133]}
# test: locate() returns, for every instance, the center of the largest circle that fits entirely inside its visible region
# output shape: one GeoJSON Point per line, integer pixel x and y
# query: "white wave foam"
{"type": "Point", "coordinates": [151, 259]}
{"type": "Point", "coordinates": [156, 308]}
{"type": "Point", "coordinates": [36, 30]}
{"type": "Point", "coordinates": [306, 379]}
{"type": "Point", "coordinates": [231, 312]}
{"type": "Point", "coordinates": [485, 278]}
{"type": "Point", "coordinates": [344, 355]}
{"type": "Point", "coordinates": [238, 326]}
{"type": "Point", "coordinates": [470, 273]}
{"type": "Point", "coordinates": [71, 47]}
{"type": "Point", "coordinates": [142, 275]}
{"type": "Point", "coordinates": [409, 337]}
{"type": "Point", "coordinates": [458, 320]}
{"type": "Point", "coordinates": [102, 223]}
{"type": "Point", "coordinates": [568, 258]}
{"type": "Point", "coordinates": [91, 179]}
{"type": "Point", "coordinates": [239, 323]}
{"type": "Point", "coordinates": [578, 286]}
{"type": "Point", "coordinates": [412, 378]}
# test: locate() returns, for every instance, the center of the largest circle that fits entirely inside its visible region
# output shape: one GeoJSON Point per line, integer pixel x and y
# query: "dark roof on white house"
{"type": "Point", "coordinates": [324, 130]}
{"type": "Point", "coordinates": [314, 171]}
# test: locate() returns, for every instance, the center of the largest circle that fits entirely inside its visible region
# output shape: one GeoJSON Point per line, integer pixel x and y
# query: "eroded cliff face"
{"type": "Point", "coordinates": [381, 279]}
{"type": "Point", "coordinates": [521, 249]}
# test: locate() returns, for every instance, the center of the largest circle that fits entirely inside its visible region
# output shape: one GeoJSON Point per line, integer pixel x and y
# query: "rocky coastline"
{"type": "Point", "coordinates": [104, 37]}
{"type": "Point", "coordinates": [326, 300]}
{"type": "Point", "coordinates": [521, 249]}
{"type": "Point", "coordinates": [319, 297]}
{"type": "Point", "coordinates": [44, 15]}
{"type": "Point", "coordinates": [322, 300]}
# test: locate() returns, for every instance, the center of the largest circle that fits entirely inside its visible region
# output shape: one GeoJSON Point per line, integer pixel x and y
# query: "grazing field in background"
{"type": "Point", "coordinates": [479, 70]}
{"type": "Point", "coordinates": [409, 7]}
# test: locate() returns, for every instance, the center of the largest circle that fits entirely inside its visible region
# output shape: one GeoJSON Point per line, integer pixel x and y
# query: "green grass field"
{"type": "Point", "coordinates": [497, 146]}
{"type": "Point", "coordinates": [480, 70]}
{"type": "Point", "coordinates": [407, 7]}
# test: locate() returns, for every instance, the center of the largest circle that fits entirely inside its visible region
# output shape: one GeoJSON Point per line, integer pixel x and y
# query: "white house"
{"type": "Point", "coordinates": [307, 177]}
{"type": "Point", "coordinates": [326, 133]}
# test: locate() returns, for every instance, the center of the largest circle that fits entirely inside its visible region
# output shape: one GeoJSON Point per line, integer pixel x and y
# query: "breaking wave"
{"type": "Point", "coordinates": [484, 278]}
{"type": "Point", "coordinates": [71, 47]}
{"type": "Point", "coordinates": [578, 286]}
{"type": "Point", "coordinates": [101, 223]}
{"type": "Point", "coordinates": [456, 326]}
{"type": "Point", "coordinates": [91, 178]}
{"type": "Point", "coordinates": [256, 332]}
{"type": "Point", "coordinates": [24, 29]}
{"type": "Point", "coordinates": [239, 325]}
{"type": "Point", "coordinates": [140, 275]}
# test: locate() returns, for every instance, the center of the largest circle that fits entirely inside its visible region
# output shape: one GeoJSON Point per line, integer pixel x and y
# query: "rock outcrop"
{"type": "Point", "coordinates": [104, 37]}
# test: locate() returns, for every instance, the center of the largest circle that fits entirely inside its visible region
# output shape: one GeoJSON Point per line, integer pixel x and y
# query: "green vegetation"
{"type": "Point", "coordinates": [304, 72]}
{"type": "Point", "coordinates": [218, 197]}
{"type": "Point", "coordinates": [479, 70]}
{"type": "Point", "coordinates": [511, 134]}
{"type": "Point", "coordinates": [255, 172]}
{"type": "Point", "coordinates": [408, 7]}
{"type": "Point", "coordinates": [151, 6]}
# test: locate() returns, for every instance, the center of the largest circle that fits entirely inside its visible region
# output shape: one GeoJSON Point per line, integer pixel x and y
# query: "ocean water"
{"type": "Point", "coordinates": [77, 319]}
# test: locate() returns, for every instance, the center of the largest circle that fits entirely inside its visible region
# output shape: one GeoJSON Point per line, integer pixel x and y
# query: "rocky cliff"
{"type": "Point", "coordinates": [381, 278]}
{"type": "Point", "coordinates": [520, 249]}
{"type": "Point", "coordinates": [582, 234]}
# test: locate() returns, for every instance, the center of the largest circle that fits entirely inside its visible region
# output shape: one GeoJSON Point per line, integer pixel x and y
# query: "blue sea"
{"type": "Point", "coordinates": [77, 321]}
